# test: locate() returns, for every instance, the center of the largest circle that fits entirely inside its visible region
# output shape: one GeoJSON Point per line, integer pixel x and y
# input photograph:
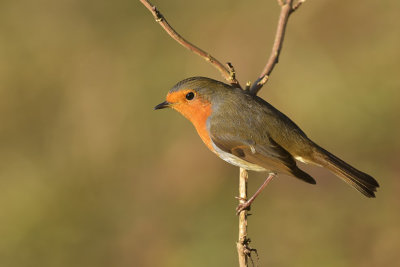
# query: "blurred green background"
{"type": "Point", "coordinates": [90, 175]}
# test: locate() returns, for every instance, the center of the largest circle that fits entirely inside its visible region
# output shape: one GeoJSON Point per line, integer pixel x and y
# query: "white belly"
{"type": "Point", "coordinates": [232, 159]}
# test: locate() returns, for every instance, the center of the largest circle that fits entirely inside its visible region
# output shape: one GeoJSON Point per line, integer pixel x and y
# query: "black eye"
{"type": "Point", "coordinates": [189, 96]}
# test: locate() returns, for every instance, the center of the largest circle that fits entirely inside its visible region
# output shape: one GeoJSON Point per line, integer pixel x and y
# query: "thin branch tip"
{"type": "Point", "coordinates": [287, 8]}
{"type": "Point", "coordinates": [297, 5]}
{"type": "Point", "coordinates": [225, 72]}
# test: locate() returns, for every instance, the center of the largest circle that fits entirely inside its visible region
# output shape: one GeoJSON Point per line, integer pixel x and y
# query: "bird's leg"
{"type": "Point", "coordinates": [247, 204]}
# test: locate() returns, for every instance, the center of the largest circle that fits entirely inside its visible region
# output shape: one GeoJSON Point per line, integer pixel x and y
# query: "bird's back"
{"type": "Point", "coordinates": [252, 118]}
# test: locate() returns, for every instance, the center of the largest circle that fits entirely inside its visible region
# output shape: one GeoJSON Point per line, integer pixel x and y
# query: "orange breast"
{"type": "Point", "coordinates": [199, 121]}
{"type": "Point", "coordinates": [197, 112]}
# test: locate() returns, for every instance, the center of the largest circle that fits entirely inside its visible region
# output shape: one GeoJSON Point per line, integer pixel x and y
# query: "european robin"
{"type": "Point", "coordinates": [246, 131]}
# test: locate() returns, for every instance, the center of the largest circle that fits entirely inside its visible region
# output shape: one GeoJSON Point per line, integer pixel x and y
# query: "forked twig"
{"type": "Point", "coordinates": [227, 72]}
{"type": "Point", "coordinates": [287, 8]}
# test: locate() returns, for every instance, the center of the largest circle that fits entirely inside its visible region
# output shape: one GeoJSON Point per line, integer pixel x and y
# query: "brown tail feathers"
{"type": "Point", "coordinates": [361, 181]}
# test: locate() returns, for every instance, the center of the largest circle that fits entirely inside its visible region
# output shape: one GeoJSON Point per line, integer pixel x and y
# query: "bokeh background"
{"type": "Point", "coordinates": [90, 175]}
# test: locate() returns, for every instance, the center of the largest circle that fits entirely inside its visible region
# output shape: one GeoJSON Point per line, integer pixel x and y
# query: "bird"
{"type": "Point", "coordinates": [246, 131]}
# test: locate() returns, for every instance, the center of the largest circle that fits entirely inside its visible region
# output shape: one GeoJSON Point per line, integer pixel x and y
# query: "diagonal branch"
{"type": "Point", "coordinates": [227, 72]}
{"type": "Point", "coordinates": [287, 8]}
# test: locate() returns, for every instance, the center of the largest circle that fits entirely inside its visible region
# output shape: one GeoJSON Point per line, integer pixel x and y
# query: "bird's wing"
{"type": "Point", "coordinates": [268, 154]}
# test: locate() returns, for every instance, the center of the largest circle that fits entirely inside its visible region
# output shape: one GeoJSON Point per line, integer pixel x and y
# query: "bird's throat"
{"type": "Point", "coordinates": [198, 115]}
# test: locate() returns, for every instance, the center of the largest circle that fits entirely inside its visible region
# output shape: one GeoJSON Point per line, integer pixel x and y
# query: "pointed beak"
{"type": "Point", "coordinates": [162, 105]}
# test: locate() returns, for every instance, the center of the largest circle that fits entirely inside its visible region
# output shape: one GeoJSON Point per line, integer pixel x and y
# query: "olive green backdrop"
{"type": "Point", "coordinates": [90, 175]}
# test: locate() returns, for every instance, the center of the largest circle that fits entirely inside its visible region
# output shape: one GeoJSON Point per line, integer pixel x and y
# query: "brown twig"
{"type": "Point", "coordinates": [297, 5]}
{"type": "Point", "coordinates": [227, 72]}
{"type": "Point", "coordinates": [244, 252]}
{"type": "Point", "coordinates": [243, 176]}
{"type": "Point", "coordinates": [287, 8]}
